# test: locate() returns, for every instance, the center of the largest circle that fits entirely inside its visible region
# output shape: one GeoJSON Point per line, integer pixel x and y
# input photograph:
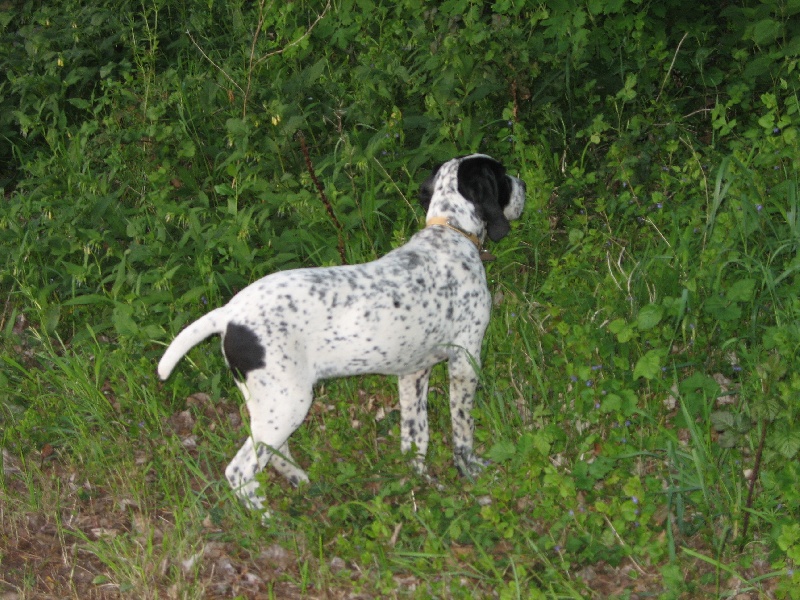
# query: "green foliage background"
{"type": "Point", "coordinates": [152, 165]}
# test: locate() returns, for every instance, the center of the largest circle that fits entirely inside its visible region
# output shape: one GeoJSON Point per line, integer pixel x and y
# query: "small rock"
{"type": "Point", "coordinates": [277, 557]}
{"type": "Point", "coordinates": [337, 564]}
{"type": "Point", "coordinates": [225, 566]}
{"type": "Point", "coordinates": [188, 564]}
{"type": "Point", "coordinates": [182, 423]}
{"type": "Point", "coordinates": [252, 579]}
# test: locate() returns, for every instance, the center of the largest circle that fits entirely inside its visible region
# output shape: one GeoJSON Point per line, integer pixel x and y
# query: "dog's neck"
{"type": "Point", "coordinates": [447, 202]}
{"type": "Point", "coordinates": [446, 222]}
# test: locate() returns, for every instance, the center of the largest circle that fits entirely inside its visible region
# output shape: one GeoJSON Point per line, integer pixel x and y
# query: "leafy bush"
{"type": "Point", "coordinates": [642, 383]}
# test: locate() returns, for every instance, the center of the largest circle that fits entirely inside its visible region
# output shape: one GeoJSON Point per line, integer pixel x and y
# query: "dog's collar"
{"type": "Point", "coordinates": [445, 222]}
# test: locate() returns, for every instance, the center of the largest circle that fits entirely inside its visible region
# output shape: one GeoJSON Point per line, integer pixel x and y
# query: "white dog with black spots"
{"type": "Point", "coordinates": [421, 304]}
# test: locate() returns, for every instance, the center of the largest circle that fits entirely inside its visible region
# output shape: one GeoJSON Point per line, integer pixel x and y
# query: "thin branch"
{"type": "Point", "coordinates": [697, 112]}
{"type": "Point", "coordinates": [752, 485]}
{"type": "Point", "coordinates": [325, 201]}
{"type": "Point", "coordinates": [253, 62]}
{"type": "Point", "coordinates": [672, 64]}
{"type": "Point", "coordinates": [389, 177]}
{"type": "Point", "coordinates": [208, 58]}
{"type": "Point", "coordinates": [298, 40]}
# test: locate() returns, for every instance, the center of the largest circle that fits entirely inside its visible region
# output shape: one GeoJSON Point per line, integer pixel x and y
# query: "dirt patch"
{"type": "Point", "coordinates": [86, 543]}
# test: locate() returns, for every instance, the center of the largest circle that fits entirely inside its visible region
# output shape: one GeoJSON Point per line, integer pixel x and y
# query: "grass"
{"type": "Point", "coordinates": [597, 489]}
{"type": "Point", "coordinates": [123, 476]}
{"type": "Point", "coordinates": [639, 388]}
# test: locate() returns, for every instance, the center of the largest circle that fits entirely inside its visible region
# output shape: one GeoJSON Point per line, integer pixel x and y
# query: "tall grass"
{"type": "Point", "coordinates": [639, 385]}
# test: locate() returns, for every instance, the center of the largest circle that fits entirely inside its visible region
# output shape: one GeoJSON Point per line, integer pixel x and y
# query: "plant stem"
{"type": "Point", "coordinates": [753, 478]}
{"type": "Point", "coordinates": [325, 201]}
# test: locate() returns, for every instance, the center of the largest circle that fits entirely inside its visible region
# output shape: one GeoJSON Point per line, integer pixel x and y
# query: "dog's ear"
{"type": "Point", "coordinates": [482, 181]}
{"type": "Point", "coordinates": [426, 189]}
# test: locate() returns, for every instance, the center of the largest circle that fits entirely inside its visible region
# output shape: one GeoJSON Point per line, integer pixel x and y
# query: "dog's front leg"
{"type": "Point", "coordinates": [414, 434]}
{"type": "Point", "coordinates": [463, 384]}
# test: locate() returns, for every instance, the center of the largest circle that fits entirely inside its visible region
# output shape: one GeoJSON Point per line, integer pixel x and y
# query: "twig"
{"type": "Point", "coordinates": [298, 40]}
{"type": "Point", "coordinates": [623, 544]}
{"type": "Point", "coordinates": [252, 56]}
{"type": "Point", "coordinates": [672, 64]}
{"type": "Point", "coordinates": [396, 187]}
{"type": "Point", "coordinates": [215, 65]}
{"type": "Point", "coordinates": [753, 478]}
{"type": "Point", "coordinates": [514, 103]}
{"type": "Point", "coordinates": [325, 201]}
{"type": "Point", "coordinates": [695, 112]}
{"type": "Point", "coordinates": [253, 62]}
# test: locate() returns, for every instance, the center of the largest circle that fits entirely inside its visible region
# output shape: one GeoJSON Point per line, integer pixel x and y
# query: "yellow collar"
{"type": "Point", "coordinates": [445, 222]}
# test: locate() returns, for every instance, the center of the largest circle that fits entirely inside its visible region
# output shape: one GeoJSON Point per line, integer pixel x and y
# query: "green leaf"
{"type": "Point", "coordinates": [699, 382]}
{"type": "Point", "coordinates": [542, 442]}
{"type": "Point", "coordinates": [766, 31]}
{"type": "Point", "coordinates": [786, 442]}
{"type": "Point", "coordinates": [224, 189]}
{"type": "Point", "coordinates": [630, 402]}
{"type": "Point", "coordinates": [79, 103]}
{"type": "Point", "coordinates": [741, 291]}
{"type": "Point", "coordinates": [649, 365]}
{"type": "Point", "coordinates": [649, 316]}
{"type": "Point", "coordinates": [611, 403]}
{"type": "Point", "coordinates": [236, 127]}
{"type": "Point", "coordinates": [51, 317]}
{"type": "Point", "coordinates": [6, 17]}
{"type": "Point", "coordinates": [722, 309]}
{"type": "Point", "coordinates": [581, 474]}
{"type": "Point", "coordinates": [502, 451]}
{"type": "Point", "coordinates": [729, 439]}
{"type": "Point", "coordinates": [601, 467]}
{"type": "Point", "coordinates": [617, 325]}
{"type": "Point", "coordinates": [87, 299]}
{"type": "Point", "coordinates": [122, 317]}
{"type": "Point", "coordinates": [790, 536]}
{"type": "Point", "coordinates": [587, 474]}
{"type": "Point", "coordinates": [622, 330]}
{"type": "Point", "coordinates": [722, 420]}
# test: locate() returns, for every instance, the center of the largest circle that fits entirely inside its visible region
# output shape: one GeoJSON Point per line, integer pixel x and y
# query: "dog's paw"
{"type": "Point", "coordinates": [469, 464]}
{"type": "Point", "coordinates": [419, 467]}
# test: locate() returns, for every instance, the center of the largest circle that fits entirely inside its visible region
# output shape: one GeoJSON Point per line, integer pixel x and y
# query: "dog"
{"type": "Point", "coordinates": [422, 303]}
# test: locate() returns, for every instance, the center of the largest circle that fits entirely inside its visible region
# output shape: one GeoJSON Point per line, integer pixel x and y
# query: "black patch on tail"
{"type": "Point", "coordinates": [242, 350]}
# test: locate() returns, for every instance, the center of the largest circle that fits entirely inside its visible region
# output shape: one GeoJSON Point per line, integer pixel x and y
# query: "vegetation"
{"type": "Point", "coordinates": [641, 379]}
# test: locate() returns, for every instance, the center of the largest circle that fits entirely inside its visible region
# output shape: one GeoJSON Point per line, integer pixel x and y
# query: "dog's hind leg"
{"type": "Point", "coordinates": [241, 473]}
{"type": "Point", "coordinates": [277, 408]}
{"type": "Point", "coordinates": [285, 464]}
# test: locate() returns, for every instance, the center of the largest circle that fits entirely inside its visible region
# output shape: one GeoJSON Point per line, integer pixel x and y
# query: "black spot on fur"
{"type": "Point", "coordinates": [483, 181]}
{"type": "Point", "coordinates": [242, 350]}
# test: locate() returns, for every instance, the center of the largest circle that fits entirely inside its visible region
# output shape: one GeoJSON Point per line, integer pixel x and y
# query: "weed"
{"type": "Point", "coordinates": [639, 388]}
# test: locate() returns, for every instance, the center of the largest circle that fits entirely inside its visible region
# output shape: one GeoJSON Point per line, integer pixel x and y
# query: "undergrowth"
{"type": "Point", "coordinates": [640, 386]}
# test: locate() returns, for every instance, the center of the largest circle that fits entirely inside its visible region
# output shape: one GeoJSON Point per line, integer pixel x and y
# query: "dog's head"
{"type": "Point", "coordinates": [493, 197]}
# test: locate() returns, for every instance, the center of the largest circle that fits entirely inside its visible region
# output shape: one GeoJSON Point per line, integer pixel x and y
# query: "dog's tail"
{"type": "Point", "coordinates": [213, 322]}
